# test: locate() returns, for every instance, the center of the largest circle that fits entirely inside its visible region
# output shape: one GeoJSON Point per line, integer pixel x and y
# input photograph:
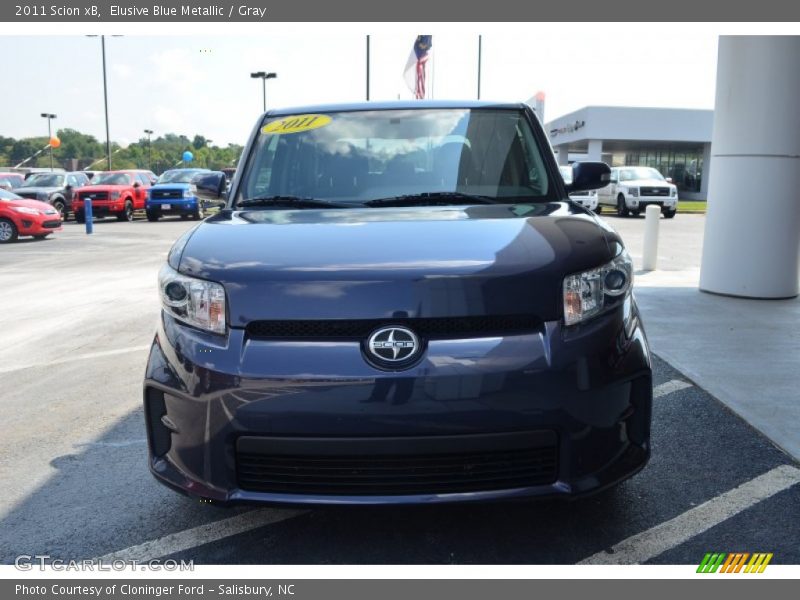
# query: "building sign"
{"type": "Point", "coordinates": [571, 128]}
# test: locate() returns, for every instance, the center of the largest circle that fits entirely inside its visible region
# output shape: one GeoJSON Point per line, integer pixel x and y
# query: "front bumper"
{"type": "Point", "coordinates": [556, 413]}
{"type": "Point", "coordinates": [38, 224]}
{"type": "Point", "coordinates": [642, 202]}
{"type": "Point", "coordinates": [176, 206]}
{"type": "Point", "coordinates": [100, 208]}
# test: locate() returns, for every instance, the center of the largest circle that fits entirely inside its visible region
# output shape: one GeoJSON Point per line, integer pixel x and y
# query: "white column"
{"type": "Point", "coordinates": [563, 154]}
{"type": "Point", "coordinates": [752, 233]}
{"type": "Point", "coordinates": [595, 151]}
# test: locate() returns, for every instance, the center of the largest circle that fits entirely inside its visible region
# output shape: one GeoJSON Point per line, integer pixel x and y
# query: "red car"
{"type": "Point", "coordinates": [19, 216]}
{"type": "Point", "coordinates": [117, 193]}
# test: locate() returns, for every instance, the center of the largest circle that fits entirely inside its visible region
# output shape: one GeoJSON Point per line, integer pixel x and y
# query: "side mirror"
{"type": "Point", "coordinates": [136, 184]}
{"type": "Point", "coordinates": [669, 179]}
{"type": "Point", "coordinates": [210, 186]}
{"type": "Point", "coordinates": [589, 176]}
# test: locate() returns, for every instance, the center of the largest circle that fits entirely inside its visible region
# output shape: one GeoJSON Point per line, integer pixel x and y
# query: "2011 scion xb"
{"type": "Point", "coordinates": [398, 304]}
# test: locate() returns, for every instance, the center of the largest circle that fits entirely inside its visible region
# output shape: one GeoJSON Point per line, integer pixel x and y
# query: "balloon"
{"type": "Point", "coordinates": [187, 156]}
{"type": "Point", "coordinates": [54, 142]}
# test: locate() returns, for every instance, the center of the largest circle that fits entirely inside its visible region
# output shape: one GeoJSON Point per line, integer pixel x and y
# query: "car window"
{"type": "Point", "coordinates": [143, 179]}
{"type": "Point", "coordinates": [365, 155]}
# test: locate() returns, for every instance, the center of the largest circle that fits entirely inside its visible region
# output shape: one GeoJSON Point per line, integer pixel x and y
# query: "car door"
{"type": "Point", "coordinates": [73, 182]}
{"type": "Point", "coordinates": [141, 191]}
{"type": "Point", "coordinates": [606, 194]}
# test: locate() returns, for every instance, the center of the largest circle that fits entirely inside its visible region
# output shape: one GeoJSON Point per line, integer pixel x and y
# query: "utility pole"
{"type": "Point", "coordinates": [49, 116]}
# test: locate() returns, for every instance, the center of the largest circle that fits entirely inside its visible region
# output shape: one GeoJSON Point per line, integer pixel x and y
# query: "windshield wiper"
{"type": "Point", "coordinates": [433, 199]}
{"type": "Point", "coordinates": [288, 202]}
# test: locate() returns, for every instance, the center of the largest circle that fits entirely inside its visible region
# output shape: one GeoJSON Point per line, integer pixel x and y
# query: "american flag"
{"type": "Point", "coordinates": [415, 72]}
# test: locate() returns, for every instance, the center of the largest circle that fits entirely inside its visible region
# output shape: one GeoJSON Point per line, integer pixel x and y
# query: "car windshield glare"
{"type": "Point", "coordinates": [362, 156]}
{"type": "Point", "coordinates": [112, 179]}
{"type": "Point", "coordinates": [44, 180]}
{"type": "Point", "coordinates": [178, 176]}
{"type": "Point", "coordinates": [635, 173]}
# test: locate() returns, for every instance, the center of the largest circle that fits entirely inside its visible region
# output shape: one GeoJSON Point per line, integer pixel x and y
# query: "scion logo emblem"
{"type": "Point", "coordinates": [393, 345]}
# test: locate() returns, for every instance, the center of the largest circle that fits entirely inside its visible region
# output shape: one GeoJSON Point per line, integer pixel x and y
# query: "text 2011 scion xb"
{"type": "Point", "coordinates": [398, 304]}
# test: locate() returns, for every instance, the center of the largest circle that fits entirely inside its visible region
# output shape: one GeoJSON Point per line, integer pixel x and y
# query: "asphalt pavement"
{"type": "Point", "coordinates": [78, 314]}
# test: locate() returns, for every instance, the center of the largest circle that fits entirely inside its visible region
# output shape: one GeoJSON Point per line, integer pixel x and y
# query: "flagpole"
{"type": "Point", "coordinates": [368, 67]}
{"type": "Point", "coordinates": [480, 44]}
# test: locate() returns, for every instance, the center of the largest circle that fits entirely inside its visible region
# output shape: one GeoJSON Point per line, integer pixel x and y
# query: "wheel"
{"type": "Point", "coordinates": [8, 231]}
{"type": "Point", "coordinates": [80, 217]}
{"type": "Point", "coordinates": [153, 217]}
{"type": "Point", "coordinates": [41, 236]}
{"type": "Point", "coordinates": [60, 207]}
{"type": "Point", "coordinates": [669, 214]}
{"type": "Point", "coordinates": [184, 217]}
{"type": "Point", "coordinates": [598, 210]}
{"type": "Point", "coordinates": [127, 212]}
{"type": "Point", "coordinates": [622, 210]}
{"type": "Point", "coordinates": [636, 212]}
{"type": "Point", "coordinates": [198, 214]}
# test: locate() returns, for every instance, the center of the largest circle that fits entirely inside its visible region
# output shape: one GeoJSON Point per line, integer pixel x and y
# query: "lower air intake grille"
{"type": "Point", "coordinates": [397, 474]}
{"type": "Point", "coordinates": [428, 328]}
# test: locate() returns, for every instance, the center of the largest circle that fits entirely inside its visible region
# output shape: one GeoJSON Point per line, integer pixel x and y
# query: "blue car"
{"type": "Point", "coordinates": [398, 304]}
{"type": "Point", "coordinates": [175, 194]}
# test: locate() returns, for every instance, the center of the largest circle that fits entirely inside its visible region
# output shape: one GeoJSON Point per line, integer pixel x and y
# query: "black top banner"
{"type": "Point", "coordinates": [239, 11]}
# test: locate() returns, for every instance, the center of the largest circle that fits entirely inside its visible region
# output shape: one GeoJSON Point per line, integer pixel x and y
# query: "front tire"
{"type": "Point", "coordinates": [598, 210]}
{"type": "Point", "coordinates": [80, 216]}
{"type": "Point", "coordinates": [622, 210]}
{"type": "Point", "coordinates": [198, 214]}
{"type": "Point", "coordinates": [8, 231]}
{"type": "Point", "coordinates": [670, 214]}
{"type": "Point", "coordinates": [61, 208]}
{"type": "Point", "coordinates": [127, 212]}
{"type": "Point", "coordinates": [153, 217]}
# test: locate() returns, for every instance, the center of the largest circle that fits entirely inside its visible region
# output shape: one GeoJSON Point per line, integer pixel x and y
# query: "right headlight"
{"type": "Point", "coordinates": [197, 302]}
{"type": "Point", "coordinates": [588, 292]}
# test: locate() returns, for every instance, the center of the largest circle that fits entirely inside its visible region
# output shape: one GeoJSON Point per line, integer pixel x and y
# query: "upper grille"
{"type": "Point", "coordinates": [654, 191]}
{"type": "Point", "coordinates": [428, 328]}
{"type": "Point", "coordinates": [370, 474]}
{"type": "Point", "coordinates": [159, 194]}
{"type": "Point", "coordinates": [94, 195]}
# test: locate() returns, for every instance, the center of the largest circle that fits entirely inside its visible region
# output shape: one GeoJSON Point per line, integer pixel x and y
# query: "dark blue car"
{"type": "Point", "coordinates": [175, 194]}
{"type": "Point", "coordinates": [398, 304]}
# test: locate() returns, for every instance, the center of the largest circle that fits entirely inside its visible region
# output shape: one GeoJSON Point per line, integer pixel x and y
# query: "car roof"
{"type": "Point", "coordinates": [393, 105]}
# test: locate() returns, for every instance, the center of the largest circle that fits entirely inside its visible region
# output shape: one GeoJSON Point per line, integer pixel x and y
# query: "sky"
{"type": "Point", "coordinates": [200, 84]}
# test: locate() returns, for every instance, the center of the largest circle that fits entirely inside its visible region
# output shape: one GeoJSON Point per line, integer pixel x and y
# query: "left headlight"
{"type": "Point", "coordinates": [25, 210]}
{"type": "Point", "coordinates": [673, 192]}
{"type": "Point", "coordinates": [588, 292]}
{"type": "Point", "coordinates": [196, 302]}
{"type": "Point", "coordinates": [190, 191]}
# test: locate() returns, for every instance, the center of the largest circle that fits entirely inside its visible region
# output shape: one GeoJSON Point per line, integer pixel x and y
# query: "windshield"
{"type": "Point", "coordinates": [111, 179]}
{"type": "Point", "coordinates": [44, 180]}
{"type": "Point", "coordinates": [8, 196]}
{"type": "Point", "coordinates": [179, 176]}
{"type": "Point", "coordinates": [634, 173]}
{"type": "Point", "coordinates": [362, 156]}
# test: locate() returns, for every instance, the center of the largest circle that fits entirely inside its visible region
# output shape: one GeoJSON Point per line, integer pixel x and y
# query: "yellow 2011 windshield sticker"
{"type": "Point", "coordinates": [296, 124]}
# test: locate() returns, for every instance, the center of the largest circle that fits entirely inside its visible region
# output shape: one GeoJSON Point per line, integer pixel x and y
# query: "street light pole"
{"type": "Point", "coordinates": [263, 76]}
{"type": "Point", "coordinates": [105, 100]}
{"type": "Point", "coordinates": [149, 132]}
{"type": "Point", "coordinates": [49, 116]}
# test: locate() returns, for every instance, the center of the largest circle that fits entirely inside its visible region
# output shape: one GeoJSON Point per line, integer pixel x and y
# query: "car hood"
{"type": "Point", "coordinates": [41, 206]}
{"type": "Point", "coordinates": [396, 262]}
{"type": "Point", "coordinates": [103, 187]}
{"type": "Point", "coordinates": [171, 186]}
{"type": "Point", "coordinates": [36, 190]}
{"type": "Point", "coordinates": [648, 183]}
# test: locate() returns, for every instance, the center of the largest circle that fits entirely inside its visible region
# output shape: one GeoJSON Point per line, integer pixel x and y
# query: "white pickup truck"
{"type": "Point", "coordinates": [632, 189]}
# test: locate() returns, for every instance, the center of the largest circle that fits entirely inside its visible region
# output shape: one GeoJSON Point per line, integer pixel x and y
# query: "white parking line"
{"type": "Point", "coordinates": [669, 387]}
{"type": "Point", "coordinates": [82, 357]}
{"type": "Point", "coordinates": [202, 534]}
{"type": "Point", "coordinates": [648, 544]}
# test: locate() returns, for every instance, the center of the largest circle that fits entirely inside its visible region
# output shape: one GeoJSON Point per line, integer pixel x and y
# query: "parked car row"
{"type": "Point", "coordinates": [38, 205]}
{"type": "Point", "coordinates": [629, 192]}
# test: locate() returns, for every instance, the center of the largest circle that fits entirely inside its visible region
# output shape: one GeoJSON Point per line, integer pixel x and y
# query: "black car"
{"type": "Point", "coordinates": [56, 188]}
{"type": "Point", "coordinates": [398, 304]}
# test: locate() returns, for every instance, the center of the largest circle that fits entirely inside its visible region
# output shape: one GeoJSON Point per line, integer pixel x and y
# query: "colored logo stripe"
{"type": "Point", "coordinates": [734, 562]}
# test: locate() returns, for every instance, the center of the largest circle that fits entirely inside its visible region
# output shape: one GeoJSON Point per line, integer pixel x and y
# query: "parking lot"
{"type": "Point", "coordinates": [78, 315]}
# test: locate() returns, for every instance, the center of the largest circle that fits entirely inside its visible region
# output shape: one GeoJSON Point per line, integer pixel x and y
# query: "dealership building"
{"type": "Point", "coordinates": [675, 141]}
